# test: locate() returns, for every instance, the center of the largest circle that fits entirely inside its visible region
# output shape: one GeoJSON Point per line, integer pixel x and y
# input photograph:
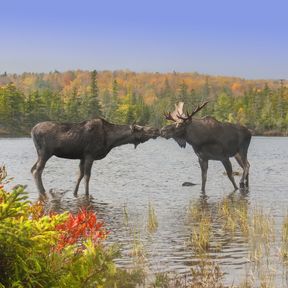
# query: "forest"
{"type": "Point", "coordinates": [127, 97]}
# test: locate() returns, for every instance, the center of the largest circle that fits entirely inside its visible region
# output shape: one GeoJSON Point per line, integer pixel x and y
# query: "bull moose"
{"type": "Point", "coordinates": [88, 141]}
{"type": "Point", "coordinates": [211, 140]}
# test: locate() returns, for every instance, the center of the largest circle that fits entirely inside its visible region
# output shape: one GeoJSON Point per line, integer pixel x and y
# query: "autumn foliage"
{"type": "Point", "coordinates": [83, 225]}
{"type": "Point", "coordinates": [50, 250]}
{"type": "Point", "coordinates": [126, 96]}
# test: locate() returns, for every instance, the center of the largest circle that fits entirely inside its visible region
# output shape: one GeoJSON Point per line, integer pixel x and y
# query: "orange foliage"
{"type": "Point", "coordinates": [83, 225]}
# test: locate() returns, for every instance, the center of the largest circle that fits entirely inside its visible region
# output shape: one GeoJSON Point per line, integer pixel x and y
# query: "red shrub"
{"type": "Point", "coordinates": [83, 225]}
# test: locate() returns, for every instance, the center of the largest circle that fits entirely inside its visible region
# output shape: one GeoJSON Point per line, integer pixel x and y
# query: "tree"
{"type": "Point", "coordinates": [12, 103]}
{"type": "Point", "coordinates": [91, 103]}
{"type": "Point", "coordinates": [114, 106]}
{"type": "Point", "coordinates": [223, 106]}
{"type": "Point", "coordinates": [73, 105]}
{"type": "Point", "coordinates": [183, 93]}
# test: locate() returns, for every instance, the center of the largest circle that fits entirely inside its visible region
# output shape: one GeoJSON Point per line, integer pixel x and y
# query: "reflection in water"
{"type": "Point", "coordinates": [223, 226]}
{"type": "Point", "coordinates": [129, 180]}
{"type": "Point", "coordinates": [57, 201]}
{"type": "Point", "coordinates": [226, 238]}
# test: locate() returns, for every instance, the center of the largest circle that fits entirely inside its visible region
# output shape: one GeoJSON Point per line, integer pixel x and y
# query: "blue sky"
{"type": "Point", "coordinates": [246, 38]}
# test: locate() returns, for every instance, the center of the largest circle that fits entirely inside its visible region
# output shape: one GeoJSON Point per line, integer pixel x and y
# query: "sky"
{"type": "Point", "coordinates": [242, 38]}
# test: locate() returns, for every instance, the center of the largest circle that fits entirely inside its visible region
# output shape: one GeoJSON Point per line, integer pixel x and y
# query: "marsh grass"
{"type": "Point", "coordinates": [152, 222]}
{"type": "Point", "coordinates": [125, 215]}
{"type": "Point", "coordinates": [138, 253]}
{"type": "Point", "coordinates": [261, 237]}
{"type": "Point", "coordinates": [234, 215]}
{"type": "Point", "coordinates": [138, 249]}
{"type": "Point", "coordinates": [256, 228]}
{"type": "Point", "coordinates": [284, 238]}
{"type": "Point", "coordinates": [229, 218]}
{"type": "Point", "coordinates": [201, 235]}
{"type": "Point", "coordinates": [199, 219]}
{"type": "Point", "coordinates": [207, 274]}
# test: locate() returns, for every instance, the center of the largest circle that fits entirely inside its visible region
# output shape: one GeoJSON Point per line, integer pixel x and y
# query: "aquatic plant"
{"type": "Point", "coordinates": [234, 214]}
{"type": "Point", "coordinates": [152, 222]}
{"type": "Point", "coordinates": [207, 274]}
{"type": "Point", "coordinates": [284, 238]}
{"type": "Point", "coordinates": [125, 215]}
{"type": "Point", "coordinates": [200, 238]}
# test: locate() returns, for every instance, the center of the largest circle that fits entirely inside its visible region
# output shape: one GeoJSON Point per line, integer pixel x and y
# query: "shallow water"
{"type": "Point", "coordinates": [127, 180]}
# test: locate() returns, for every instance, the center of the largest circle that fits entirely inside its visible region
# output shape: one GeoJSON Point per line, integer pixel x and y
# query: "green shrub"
{"type": "Point", "coordinates": [56, 250]}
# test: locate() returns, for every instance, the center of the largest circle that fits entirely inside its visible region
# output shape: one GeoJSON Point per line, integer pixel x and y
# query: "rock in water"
{"type": "Point", "coordinates": [185, 184]}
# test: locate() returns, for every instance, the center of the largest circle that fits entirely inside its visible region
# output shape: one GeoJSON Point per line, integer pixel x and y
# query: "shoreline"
{"type": "Point", "coordinates": [268, 133]}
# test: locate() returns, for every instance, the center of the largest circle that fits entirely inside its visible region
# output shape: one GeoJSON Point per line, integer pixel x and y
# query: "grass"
{"type": "Point", "coordinates": [201, 235]}
{"type": "Point", "coordinates": [261, 244]}
{"type": "Point", "coordinates": [152, 222]}
{"type": "Point", "coordinates": [284, 238]}
{"type": "Point", "coordinates": [233, 217]}
{"type": "Point", "coordinates": [125, 215]}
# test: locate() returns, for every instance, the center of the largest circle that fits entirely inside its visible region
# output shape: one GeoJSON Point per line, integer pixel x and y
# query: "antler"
{"type": "Point", "coordinates": [189, 116]}
{"type": "Point", "coordinates": [168, 116]}
{"type": "Point", "coordinates": [174, 115]}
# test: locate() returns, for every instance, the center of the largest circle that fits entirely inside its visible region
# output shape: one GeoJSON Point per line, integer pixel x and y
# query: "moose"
{"type": "Point", "coordinates": [88, 141]}
{"type": "Point", "coordinates": [210, 140]}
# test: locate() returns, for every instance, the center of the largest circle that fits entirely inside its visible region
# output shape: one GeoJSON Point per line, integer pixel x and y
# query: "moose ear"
{"type": "Point", "coordinates": [136, 128]}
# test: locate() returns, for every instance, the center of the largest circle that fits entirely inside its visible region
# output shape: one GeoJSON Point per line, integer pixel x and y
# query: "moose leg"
{"type": "Point", "coordinates": [240, 162]}
{"type": "Point", "coordinates": [204, 167]}
{"type": "Point", "coordinates": [228, 167]}
{"type": "Point", "coordinates": [246, 173]}
{"type": "Point", "coordinates": [87, 173]}
{"type": "Point", "coordinates": [37, 171]}
{"type": "Point", "coordinates": [243, 162]}
{"type": "Point", "coordinates": [81, 174]}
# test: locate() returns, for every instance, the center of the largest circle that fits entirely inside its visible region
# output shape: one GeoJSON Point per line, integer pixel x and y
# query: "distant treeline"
{"type": "Point", "coordinates": [127, 97]}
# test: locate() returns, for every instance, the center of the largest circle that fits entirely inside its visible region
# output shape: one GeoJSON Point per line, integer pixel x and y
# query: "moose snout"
{"type": "Point", "coordinates": [163, 132]}
{"type": "Point", "coordinates": [156, 133]}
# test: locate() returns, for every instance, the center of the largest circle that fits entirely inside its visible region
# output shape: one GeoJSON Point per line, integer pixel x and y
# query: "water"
{"type": "Point", "coordinates": [129, 179]}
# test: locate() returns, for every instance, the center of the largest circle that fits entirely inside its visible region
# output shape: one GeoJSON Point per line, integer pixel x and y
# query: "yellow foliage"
{"type": "Point", "coordinates": [241, 116]}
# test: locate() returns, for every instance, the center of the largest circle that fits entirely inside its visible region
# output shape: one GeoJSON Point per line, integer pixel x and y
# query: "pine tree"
{"type": "Point", "coordinates": [91, 103]}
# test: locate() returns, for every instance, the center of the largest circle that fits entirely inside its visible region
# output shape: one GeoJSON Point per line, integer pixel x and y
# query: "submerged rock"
{"type": "Point", "coordinates": [185, 184]}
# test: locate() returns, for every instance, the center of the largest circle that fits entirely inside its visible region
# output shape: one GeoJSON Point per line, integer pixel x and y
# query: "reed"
{"type": "Point", "coordinates": [261, 235]}
{"type": "Point", "coordinates": [261, 243]}
{"type": "Point", "coordinates": [234, 214]}
{"type": "Point", "coordinates": [284, 241]}
{"type": "Point", "coordinates": [201, 235]}
{"type": "Point", "coordinates": [231, 215]}
{"type": "Point", "coordinates": [138, 249]}
{"type": "Point", "coordinates": [125, 216]}
{"type": "Point", "coordinates": [206, 274]}
{"type": "Point", "coordinates": [152, 222]}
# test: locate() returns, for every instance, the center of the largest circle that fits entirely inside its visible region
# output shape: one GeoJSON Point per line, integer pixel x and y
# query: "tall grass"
{"type": "Point", "coordinates": [256, 227]}
{"type": "Point", "coordinates": [234, 215]}
{"type": "Point", "coordinates": [152, 222]}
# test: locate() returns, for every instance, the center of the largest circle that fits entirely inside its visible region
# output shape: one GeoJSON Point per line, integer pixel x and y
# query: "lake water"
{"type": "Point", "coordinates": [125, 182]}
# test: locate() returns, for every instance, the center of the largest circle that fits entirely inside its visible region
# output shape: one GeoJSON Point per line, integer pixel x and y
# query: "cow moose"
{"type": "Point", "coordinates": [88, 141]}
{"type": "Point", "coordinates": [211, 140]}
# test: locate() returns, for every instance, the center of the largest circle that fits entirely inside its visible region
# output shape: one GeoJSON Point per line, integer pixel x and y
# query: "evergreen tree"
{"type": "Point", "coordinates": [73, 105]}
{"type": "Point", "coordinates": [183, 93]}
{"type": "Point", "coordinates": [14, 104]}
{"type": "Point", "coordinates": [114, 113]}
{"type": "Point", "coordinates": [91, 103]}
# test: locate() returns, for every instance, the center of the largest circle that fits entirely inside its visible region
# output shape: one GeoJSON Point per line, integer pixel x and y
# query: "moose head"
{"type": "Point", "coordinates": [210, 140]}
{"type": "Point", "coordinates": [177, 129]}
{"type": "Point", "coordinates": [142, 134]}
